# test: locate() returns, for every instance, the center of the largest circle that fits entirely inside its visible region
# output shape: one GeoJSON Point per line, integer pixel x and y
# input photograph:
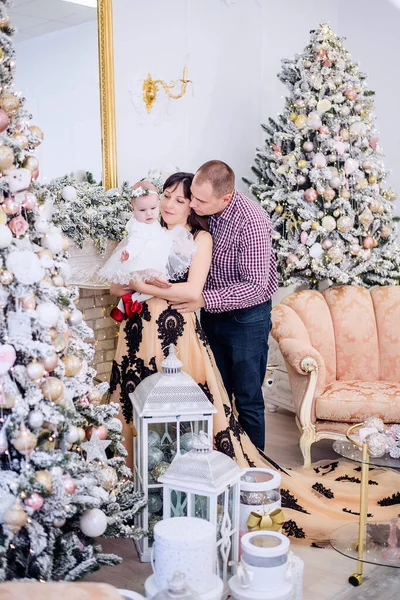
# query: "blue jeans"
{"type": "Point", "coordinates": [239, 341]}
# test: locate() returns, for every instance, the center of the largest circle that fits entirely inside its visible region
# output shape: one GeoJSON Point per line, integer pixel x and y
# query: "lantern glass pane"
{"type": "Point", "coordinates": [178, 504]}
{"type": "Point", "coordinates": [200, 507]}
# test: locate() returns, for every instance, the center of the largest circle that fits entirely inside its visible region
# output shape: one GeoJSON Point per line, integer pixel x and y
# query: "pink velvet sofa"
{"type": "Point", "coordinates": [342, 352]}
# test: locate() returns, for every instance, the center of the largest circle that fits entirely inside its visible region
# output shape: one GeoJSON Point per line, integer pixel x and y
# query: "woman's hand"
{"type": "Point", "coordinates": [160, 283]}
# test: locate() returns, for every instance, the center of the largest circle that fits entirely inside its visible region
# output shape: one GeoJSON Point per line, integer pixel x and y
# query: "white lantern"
{"type": "Point", "coordinates": [168, 406]}
{"type": "Point", "coordinates": [205, 483]}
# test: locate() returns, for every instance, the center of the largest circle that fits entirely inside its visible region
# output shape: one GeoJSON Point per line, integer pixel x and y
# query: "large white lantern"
{"type": "Point", "coordinates": [205, 483]}
{"type": "Point", "coordinates": [169, 409]}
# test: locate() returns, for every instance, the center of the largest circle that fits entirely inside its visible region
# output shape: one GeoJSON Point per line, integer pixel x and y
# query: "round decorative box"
{"type": "Point", "coordinates": [216, 593]}
{"type": "Point", "coordinates": [186, 544]}
{"type": "Point", "coordinates": [259, 493]}
{"type": "Point", "coordinates": [264, 562]}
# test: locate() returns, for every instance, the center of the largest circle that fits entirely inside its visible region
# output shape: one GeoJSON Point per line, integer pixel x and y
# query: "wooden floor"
{"type": "Point", "coordinates": [326, 571]}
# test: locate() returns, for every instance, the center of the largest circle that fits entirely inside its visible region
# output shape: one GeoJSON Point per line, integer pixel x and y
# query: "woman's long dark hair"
{"type": "Point", "coordinates": [195, 222]}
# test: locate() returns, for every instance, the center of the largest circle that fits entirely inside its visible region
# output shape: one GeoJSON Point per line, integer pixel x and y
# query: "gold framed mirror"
{"type": "Point", "coordinates": [64, 58]}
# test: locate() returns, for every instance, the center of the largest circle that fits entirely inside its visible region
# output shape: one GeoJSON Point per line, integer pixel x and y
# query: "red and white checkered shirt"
{"type": "Point", "coordinates": [243, 268]}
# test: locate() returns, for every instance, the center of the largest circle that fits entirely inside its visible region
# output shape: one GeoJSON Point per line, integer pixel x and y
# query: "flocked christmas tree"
{"type": "Point", "coordinates": [321, 174]}
{"type": "Point", "coordinates": [63, 479]}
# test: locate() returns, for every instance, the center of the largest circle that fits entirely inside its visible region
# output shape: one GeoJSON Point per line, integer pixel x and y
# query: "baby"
{"type": "Point", "coordinates": [148, 251]}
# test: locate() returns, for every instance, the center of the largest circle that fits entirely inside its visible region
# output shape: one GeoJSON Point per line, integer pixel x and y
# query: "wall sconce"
{"type": "Point", "coordinates": [150, 88]}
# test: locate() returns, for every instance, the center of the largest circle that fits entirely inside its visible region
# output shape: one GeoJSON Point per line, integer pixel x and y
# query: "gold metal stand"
{"type": "Point", "coordinates": [356, 578]}
{"type": "Point", "coordinates": [107, 93]}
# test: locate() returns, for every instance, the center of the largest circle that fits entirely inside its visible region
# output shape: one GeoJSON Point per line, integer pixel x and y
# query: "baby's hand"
{"type": "Point", "coordinates": [124, 256]}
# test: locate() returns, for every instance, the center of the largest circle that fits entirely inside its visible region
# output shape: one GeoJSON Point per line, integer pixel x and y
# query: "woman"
{"type": "Point", "coordinates": [144, 339]}
{"type": "Point", "coordinates": [315, 500]}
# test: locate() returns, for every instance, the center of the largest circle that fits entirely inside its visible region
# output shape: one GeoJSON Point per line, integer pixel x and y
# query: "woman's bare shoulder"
{"type": "Point", "coordinates": [203, 237]}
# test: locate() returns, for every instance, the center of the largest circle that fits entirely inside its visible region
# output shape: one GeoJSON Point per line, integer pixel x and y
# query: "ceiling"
{"type": "Point", "coordinates": [38, 17]}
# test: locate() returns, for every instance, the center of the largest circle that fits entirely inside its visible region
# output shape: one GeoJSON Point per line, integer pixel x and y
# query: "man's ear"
{"type": "Point", "coordinates": [226, 198]}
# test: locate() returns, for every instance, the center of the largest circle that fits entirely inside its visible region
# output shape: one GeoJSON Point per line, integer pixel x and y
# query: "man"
{"type": "Point", "coordinates": [236, 300]}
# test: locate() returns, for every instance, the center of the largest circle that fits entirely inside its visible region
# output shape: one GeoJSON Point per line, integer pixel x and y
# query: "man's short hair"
{"type": "Point", "coordinates": [219, 174]}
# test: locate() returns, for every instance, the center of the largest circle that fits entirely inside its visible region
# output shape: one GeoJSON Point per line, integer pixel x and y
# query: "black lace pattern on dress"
{"type": "Point", "coordinates": [320, 489]}
{"type": "Point", "coordinates": [293, 530]}
{"type": "Point", "coordinates": [223, 443]}
{"type": "Point", "coordinates": [289, 501]}
{"type": "Point", "coordinates": [354, 480]}
{"type": "Point", "coordinates": [134, 331]}
{"type": "Point", "coordinates": [200, 333]}
{"type": "Point", "coordinates": [170, 326]}
{"type": "Point", "coordinates": [131, 376]}
{"type": "Point", "coordinates": [204, 387]}
{"type": "Point", "coordinates": [390, 500]}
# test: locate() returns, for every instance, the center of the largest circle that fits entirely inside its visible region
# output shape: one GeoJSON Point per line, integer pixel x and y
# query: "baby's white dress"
{"type": "Point", "coordinates": [154, 251]}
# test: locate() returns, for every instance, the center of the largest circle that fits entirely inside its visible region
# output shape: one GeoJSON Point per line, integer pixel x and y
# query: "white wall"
{"type": "Point", "coordinates": [235, 52]}
{"type": "Point", "coordinates": [58, 75]}
{"type": "Point", "coordinates": [234, 55]}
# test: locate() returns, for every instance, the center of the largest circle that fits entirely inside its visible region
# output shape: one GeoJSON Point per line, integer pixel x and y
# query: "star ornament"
{"type": "Point", "coordinates": [96, 449]}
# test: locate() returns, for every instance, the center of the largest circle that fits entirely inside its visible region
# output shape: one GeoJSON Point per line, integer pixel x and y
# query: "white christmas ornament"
{"type": "Point", "coordinates": [3, 440]}
{"type": "Point", "coordinates": [5, 236]}
{"type": "Point", "coordinates": [53, 240]}
{"type": "Point", "coordinates": [72, 435]}
{"type": "Point", "coordinates": [319, 160]}
{"type": "Point", "coordinates": [48, 314]}
{"type": "Point", "coordinates": [316, 250]}
{"type": "Point", "coordinates": [345, 224]}
{"type": "Point", "coordinates": [324, 105]}
{"type": "Point", "coordinates": [26, 266]}
{"type": "Point", "coordinates": [328, 223]}
{"type": "Point", "coordinates": [69, 193]}
{"type": "Point", "coordinates": [35, 419]}
{"type": "Point", "coordinates": [314, 121]}
{"type": "Point", "coordinates": [93, 522]}
{"type": "Point", "coordinates": [75, 317]}
{"type": "Point", "coordinates": [340, 146]}
{"type": "Point", "coordinates": [7, 357]}
{"type": "Point", "coordinates": [358, 128]}
{"type": "Point", "coordinates": [42, 226]}
{"type": "Point", "coordinates": [18, 180]}
{"type": "Point", "coordinates": [350, 166]}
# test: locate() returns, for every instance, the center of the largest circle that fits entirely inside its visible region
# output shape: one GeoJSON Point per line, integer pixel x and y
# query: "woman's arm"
{"type": "Point", "coordinates": [193, 287]}
{"type": "Point", "coordinates": [117, 289]}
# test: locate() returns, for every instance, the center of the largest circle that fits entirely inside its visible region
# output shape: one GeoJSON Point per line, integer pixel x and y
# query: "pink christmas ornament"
{"type": "Point", "coordinates": [373, 143]}
{"type": "Point", "coordinates": [324, 130]}
{"type": "Point", "coordinates": [69, 484]}
{"type": "Point", "coordinates": [30, 202]}
{"type": "Point", "coordinates": [292, 258]}
{"type": "Point", "coordinates": [303, 237]}
{"type": "Point", "coordinates": [351, 94]}
{"type": "Point", "coordinates": [7, 358]}
{"type": "Point", "coordinates": [35, 175]}
{"type": "Point", "coordinates": [310, 195]}
{"type": "Point", "coordinates": [339, 147]}
{"type": "Point", "coordinates": [4, 120]}
{"type": "Point", "coordinates": [350, 166]}
{"type": "Point", "coordinates": [319, 160]}
{"type": "Point", "coordinates": [368, 242]}
{"type": "Point", "coordinates": [18, 226]}
{"type": "Point", "coordinates": [327, 244]}
{"type": "Point", "coordinates": [101, 432]}
{"type": "Point", "coordinates": [35, 501]}
{"type": "Point", "coordinates": [10, 206]}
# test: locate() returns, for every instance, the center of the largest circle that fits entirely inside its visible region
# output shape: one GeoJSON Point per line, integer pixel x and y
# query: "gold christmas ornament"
{"type": "Point", "coordinates": [45, 479]}
{"type": "Point", "coordinates": [329, 194]}
{"type": "Point", "coordinates": [335, 254]}
{"type": "Point", "coordinates": [336, 213]}
{"type": "Point", "coordinates": [345, 194]}
{"type": "Point", "coordinates": [38, 132]}
{"type": "Point", "coordinates": [6, 277]}
{"type": "Point", "coordinates": [53, 334]}
{"type": "Point", "coordinates": [108, 477]}
{"type": "Point", "coordinates": [293, 116]}
{"type": "Point", "coordinates": [6, 157]}
{"type": "Point", "coordinates": [375, 206]}
{"type": "Point", "coordinates": [301, 121]}
{"type": "Point", "coordinates": [95, 397]}
{"type": "Point", "coordinates": [314, 225]}
{"type": "Point", "coordinates": [386, 231]}
{"type": "Point", "coordinates": [61, 342]}
{"type": "Point", "coordinates": [24, 441]}
{"type": "Point", "coordinates": [302, 164]}
{"type": "Point", "coordinates": [9, 103]}
{"type": "Point", "coordinates": [279, 209]}
{"type": "Point", "coordinates": [362, 183]}
{"type": "Point", "coordinates": [14, 517]}
{"type": "Point", "coordinates": [372, 179]}
{"type": "Point", "coordinates": [72, 365]}
{"type": "Point", "coordinates": [20, 139]}
{"type": "Point", "coordinates": [53, 389]}
{"type": "Point", "coordinates": [45, 253]}
{"type": "Point", "coordinates": [82, 433]}
{"type": "Point", "coordinates": [31, 163]}
{"type": "Point", "coordinates": [366, 218]}
{"type": "Point", "coordinates": [3, 216]}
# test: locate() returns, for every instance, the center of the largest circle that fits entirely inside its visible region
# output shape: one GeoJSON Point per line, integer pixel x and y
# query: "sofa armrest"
{"type": "Point", "coordinates": [302, 357]}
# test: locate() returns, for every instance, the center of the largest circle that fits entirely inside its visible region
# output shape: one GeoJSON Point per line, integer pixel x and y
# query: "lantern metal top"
{"type": "Point", "coordinates": [202, 468]}
{"type": "Point", "coordinates": [170, 393]}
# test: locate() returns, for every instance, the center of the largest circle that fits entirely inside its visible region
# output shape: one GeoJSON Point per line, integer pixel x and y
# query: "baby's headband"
{"type": "Point", "coordinates": [141, 192]}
